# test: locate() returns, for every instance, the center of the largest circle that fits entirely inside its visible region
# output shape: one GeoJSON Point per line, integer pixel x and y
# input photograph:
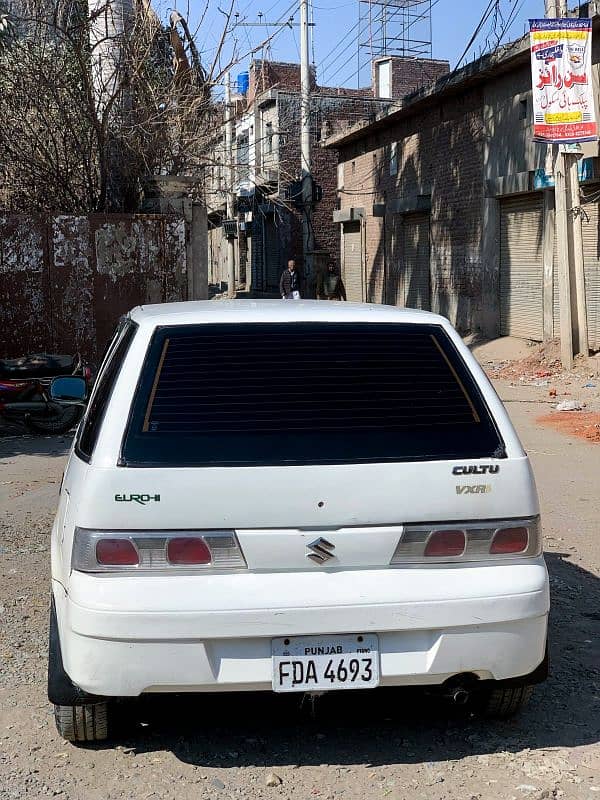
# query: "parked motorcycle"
{"type": "Point", "coordinates": [26, 391]}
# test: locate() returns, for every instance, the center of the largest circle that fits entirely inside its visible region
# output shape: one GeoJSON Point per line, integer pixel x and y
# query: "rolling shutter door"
{"type": "Point", "coordinates": [522, 267]}
{"type": "Point", "coordinates": [353, 265]}
{"type": "Point", "coordinates": [417, 285]}
{"type": "Point", "coordinates": [591, 260]}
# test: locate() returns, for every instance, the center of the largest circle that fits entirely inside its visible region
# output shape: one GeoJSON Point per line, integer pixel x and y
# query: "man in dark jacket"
{"type": "Point", "coordinates": [330, 285]}
{"type": "Point", "coordinates": [289, 285]}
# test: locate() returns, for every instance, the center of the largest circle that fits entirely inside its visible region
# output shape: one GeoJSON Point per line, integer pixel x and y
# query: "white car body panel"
{"type": "Point", "coordinates": [127, 634]}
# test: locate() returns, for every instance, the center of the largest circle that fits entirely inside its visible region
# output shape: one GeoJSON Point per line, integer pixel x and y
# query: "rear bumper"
{"type": "Point", "coordinates": [125, 636]}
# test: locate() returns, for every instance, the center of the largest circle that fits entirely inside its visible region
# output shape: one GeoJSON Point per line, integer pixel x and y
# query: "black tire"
{"type": "Point", "coordinates": [87, 723]}
{"type": "Point", "coordinates": [501, 702]}
{"type": "Point", "coordinates": [59, 421]}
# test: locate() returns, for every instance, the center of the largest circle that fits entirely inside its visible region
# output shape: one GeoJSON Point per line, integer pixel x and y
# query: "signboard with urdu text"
{"type": "Point", "coordinates": [561, 71]}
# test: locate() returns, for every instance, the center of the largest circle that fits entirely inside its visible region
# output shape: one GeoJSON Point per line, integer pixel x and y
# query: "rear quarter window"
{"type": "Point", "coordinates": [115, 355]}
{"type": "Point", "coordinates": [305, 393]}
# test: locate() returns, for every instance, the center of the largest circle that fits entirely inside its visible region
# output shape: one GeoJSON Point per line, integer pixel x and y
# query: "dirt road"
{"type": "Point", "coordinates": [391, 745]}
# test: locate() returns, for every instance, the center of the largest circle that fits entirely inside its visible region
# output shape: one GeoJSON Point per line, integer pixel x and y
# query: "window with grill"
{"type": "Point", "coordinates": [305, 393]}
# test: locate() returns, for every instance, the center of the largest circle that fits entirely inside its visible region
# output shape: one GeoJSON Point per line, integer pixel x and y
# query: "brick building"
{"type": "Point", "coordinates": [267, 157]}
{"type": "Point", "coordinates": [446, 203]}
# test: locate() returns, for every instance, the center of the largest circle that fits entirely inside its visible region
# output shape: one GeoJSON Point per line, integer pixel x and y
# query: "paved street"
{"type": "Point", "coordinates": [396, 744]}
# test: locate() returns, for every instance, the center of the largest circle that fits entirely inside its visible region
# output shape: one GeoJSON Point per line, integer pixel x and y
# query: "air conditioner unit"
{"type": "Point", "coordinates": [230, 226]}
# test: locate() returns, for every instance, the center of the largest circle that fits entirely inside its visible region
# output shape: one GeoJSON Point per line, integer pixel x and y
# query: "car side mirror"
{"type": "Point", "coordinates": [69, 389]}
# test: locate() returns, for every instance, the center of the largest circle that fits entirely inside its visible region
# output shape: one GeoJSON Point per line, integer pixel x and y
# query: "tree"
{"type": "Point", "coordinates": [94, 99]}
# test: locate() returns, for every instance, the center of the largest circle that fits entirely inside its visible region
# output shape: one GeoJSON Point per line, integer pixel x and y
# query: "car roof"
{"type": "Point", "coordinates": [224, 311]}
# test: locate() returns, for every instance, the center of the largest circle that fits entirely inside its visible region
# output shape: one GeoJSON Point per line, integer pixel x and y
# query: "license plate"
{"type": "Point", "coordinates": [318, 663]}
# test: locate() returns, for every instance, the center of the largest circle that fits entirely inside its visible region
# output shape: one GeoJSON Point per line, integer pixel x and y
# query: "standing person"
{"type": "Point", "coordinates": [331, 285]}
{"type": "Point", "coordinates": [289, 285]}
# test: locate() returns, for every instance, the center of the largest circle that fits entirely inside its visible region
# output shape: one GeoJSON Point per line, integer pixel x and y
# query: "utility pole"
{"type": "Point", "coordinates": [571, 279]}
{"type": "Point", "coordinates": [230, 188]}
{"type": "Point", "coordinates": [578, 268]}
{"type": "Point", "coordinates": [305, 158]}
{"type": "Point", "coordinates": [556, 9]}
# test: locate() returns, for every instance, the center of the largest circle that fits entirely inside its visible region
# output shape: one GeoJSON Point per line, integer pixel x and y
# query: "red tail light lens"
{"type": "Point", "coordinates": [446, 543]}
{"type": "Point", "coordinates": [188, 550]}
{"type": "Point", "coordinates": [117, 553]}
{"type": "Point", "coordinates": [510, 540]}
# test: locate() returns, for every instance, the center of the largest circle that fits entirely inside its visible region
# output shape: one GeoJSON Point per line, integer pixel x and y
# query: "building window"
{"type": "Point", "coordinates": [243, 156]}
{"type": "Point", "coordinates": [354, 168]}
{"type": "Point", "coordinates": [523, 108]}
{"type": "Point", "coordinates": [268, 138]}
{"type": "Point", "coordinates": [340, 176]}
{"type": "Point", "coordinates": [394, 159]}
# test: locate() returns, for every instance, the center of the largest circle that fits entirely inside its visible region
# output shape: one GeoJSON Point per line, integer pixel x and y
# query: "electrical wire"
{"type": "Point", "coordinates": [326, 70]}
{"type": "Point", "coordinates": [484, 17]}
{"type": "Point", "coordinates": [327, 58]}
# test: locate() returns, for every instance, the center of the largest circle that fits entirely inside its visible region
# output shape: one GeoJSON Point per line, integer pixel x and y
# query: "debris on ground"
{"type": "Point", "coordinates": [584, 425]}
{"type": "Point", "coordinates": [272, 780]}
{"type": "Point", "coordinates": [570, 405]}
{"type": "Point", "coordinates": [543, 362]}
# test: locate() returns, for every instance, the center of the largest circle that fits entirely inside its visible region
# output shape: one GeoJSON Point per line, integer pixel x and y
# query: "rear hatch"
{"type": "Point", "coordinates": [309, 437]}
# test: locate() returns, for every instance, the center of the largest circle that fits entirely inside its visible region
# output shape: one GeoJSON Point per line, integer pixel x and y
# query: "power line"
{"type": "Point", "coordinates": [484, 17]}
{"type": "Point", "coordinates": [327, 58]}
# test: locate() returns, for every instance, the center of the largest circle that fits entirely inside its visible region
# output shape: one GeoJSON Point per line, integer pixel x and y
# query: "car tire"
{"type": "Point", "coordinates": [87, 723]}
{"type": "Point", "coordinates": [58, 423]}
{"type": "Point", "coordinates": [502, 702]}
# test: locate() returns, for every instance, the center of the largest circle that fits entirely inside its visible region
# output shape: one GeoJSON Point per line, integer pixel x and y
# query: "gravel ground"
{"type": "Point", "coordinates": [393, 744]}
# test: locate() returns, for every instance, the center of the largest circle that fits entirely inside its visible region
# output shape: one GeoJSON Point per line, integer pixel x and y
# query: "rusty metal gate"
{"type": "Point", "coordinates": [66, 280]}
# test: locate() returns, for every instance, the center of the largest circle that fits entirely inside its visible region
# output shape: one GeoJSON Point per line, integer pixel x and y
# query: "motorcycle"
{"type": "Point", "coordinates": [26, 391]}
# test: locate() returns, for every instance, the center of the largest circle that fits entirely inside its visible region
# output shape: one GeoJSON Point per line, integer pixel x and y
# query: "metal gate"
{"type": "Point", "coordinates": [417, 283]}
{"type": "Point", "coordinates": [65, 280]}
{"type": "Point", "coordinates": [271, 254]}
{"type": "Point", "coordinates": [353, 263]}
{"type": "Point", "coordinates": [394, 290]}
{"type": "Point", "coordinates": [591, 261]}
{"type": "Point", "coordinates": [522, 267]}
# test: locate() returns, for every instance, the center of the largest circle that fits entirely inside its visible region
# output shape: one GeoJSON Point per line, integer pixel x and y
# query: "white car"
{"type": "Point", "coordinates": [293, 497]}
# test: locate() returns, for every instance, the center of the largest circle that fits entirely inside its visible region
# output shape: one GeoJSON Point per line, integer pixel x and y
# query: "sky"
{"type": "Point", "coordinates": [336, 57]}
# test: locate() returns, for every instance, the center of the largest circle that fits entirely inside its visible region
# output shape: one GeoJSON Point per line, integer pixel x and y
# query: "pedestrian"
{"type": "Point", "coordinates": [331, 285]}
{"type": "Point", "coordinates": [289, 285]}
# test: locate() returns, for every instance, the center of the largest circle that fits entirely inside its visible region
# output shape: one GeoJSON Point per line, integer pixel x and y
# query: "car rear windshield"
{"type": "Point", "coordinates": [305, 393]}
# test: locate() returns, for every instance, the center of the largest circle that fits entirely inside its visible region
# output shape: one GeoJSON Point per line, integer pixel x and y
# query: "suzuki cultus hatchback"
{"type": "Point", "coordinates": [293, 497]}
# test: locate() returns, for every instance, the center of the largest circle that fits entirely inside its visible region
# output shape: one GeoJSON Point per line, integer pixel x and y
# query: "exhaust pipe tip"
{"type": "Point", "coordinates": [460, 696]}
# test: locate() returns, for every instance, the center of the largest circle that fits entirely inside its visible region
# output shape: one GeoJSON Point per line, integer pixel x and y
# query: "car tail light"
{"type": "Point", "coordinates": [446, 543]}
{"type": "Point", "coordinates": [157, 552]}
{"type": "Point", "coordinates": [117, 553]}
{"type": "Point", "coordinates": [188, 550]}
{"type": "Point", "coordinates": [510, 540]}
{"type": "Point", "coordinates": [470, 541]}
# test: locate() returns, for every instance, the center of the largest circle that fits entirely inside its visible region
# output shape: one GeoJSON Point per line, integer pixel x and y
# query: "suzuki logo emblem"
{"type": "Point", "coordinates": [320, 550]}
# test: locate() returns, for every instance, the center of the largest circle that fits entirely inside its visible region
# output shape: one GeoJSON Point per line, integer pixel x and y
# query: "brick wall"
{"type": "Point", "coordinates": [409, 74]}
{"type": "Point", "coordinates": [265, 75]}
{"type": "Point", "coordinates": [331, 112]}
{"type": "Point", "coordinates": [440, 153]}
